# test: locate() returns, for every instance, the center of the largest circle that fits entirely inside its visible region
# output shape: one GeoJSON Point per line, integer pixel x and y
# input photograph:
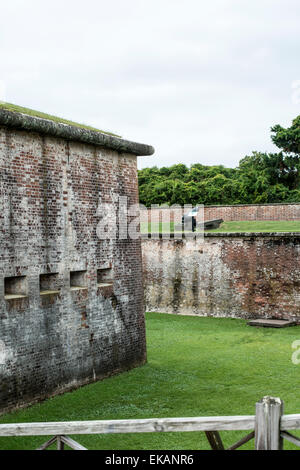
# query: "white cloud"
{"type": "Point", "coordinates": [199, 81]}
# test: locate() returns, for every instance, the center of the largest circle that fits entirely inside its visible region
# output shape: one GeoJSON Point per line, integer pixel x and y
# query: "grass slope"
{"type": "Point", "coordinates": [260, 226]}
{"type": "Point", "coordinates": [196, 367]}
{"type": "Point", "coordinates": [31, 112]}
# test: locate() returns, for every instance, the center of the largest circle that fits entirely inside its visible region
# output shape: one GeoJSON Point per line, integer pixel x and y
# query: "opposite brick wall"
{"type": "Point", "coordinates": [248, 212]}
{"type": "Point", "coordinates": [50, 190]}
{"type": "Point", "coordinates": [226, 275]}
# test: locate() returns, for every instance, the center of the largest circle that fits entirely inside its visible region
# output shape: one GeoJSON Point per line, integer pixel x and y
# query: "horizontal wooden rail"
{"type": "Point", "coordinates": [269, 424]}
{"type": "Point", "coordinates": [224, 423]}
{"type": "Point", "coordinates": [219, 423]}
{"type": "Point", "coordinates": [289, 422]}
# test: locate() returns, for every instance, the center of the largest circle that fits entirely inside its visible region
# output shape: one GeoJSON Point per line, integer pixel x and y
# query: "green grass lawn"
{"type": "Point", "coordinates": [32, 112]}
{"type": "Point", "coordinates": [241, 226]}
{"type": "Point", "coordinates": [260, 226]}
{"type": "Point", "coordinates": [161, 227]}
{"type": "Point", "coordinates": [196, 367]}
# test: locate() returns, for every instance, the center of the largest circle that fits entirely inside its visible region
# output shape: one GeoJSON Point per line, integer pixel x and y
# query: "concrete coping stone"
{"type": "Point", "coordinates": [271, 323]}
{"type": "Point", "coordinates": [15, 296]}
{"type": "Point", "coordinates": [43, 126]}
{"type": "Point", "coordinates": [76, 288]}
{"type": "Point", "coordinates": [49, 292]}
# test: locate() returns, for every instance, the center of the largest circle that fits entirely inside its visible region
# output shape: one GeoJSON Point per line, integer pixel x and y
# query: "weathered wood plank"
{"type": "Point", "coordinates": [290, 422]}
{"type": "Point", "coordinates": [242, 441]}
{"type": "Point", "coordinates": [267, 424]}
{"type": "Point", "coordinates": [48, 443]}
{"type": "Point", "coordinates": [71, 443]}
{"type": "Point", "coordinates": [219, 423]}
{"type": "Point", "coordinates": [214, 440]}
{"type": "Point", "coordinates": [60, 443]}
{"type": "Point", "coordinates": [289, 437]}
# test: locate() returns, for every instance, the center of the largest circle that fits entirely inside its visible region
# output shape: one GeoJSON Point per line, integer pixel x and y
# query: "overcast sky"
{"type": "Point", "coordinates": [201, 81]}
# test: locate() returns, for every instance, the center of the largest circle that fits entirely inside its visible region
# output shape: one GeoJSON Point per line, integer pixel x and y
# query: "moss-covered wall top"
{"type": "Point", "coordinates": [22, 121]}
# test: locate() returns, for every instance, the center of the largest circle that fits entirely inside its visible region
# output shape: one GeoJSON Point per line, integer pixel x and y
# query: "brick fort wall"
{"type": "Point", "coordinates": [71, 305]}
{"type": "Point", "coordinates": [225, 275]}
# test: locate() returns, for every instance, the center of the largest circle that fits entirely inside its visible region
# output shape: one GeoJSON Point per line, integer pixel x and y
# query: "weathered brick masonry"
{"type": "Point", "coordinates": [71, 305]}
{"type": "Point", "coordinates": [226, 275]}
{"type": "Point", "coordinates": [253, 212]}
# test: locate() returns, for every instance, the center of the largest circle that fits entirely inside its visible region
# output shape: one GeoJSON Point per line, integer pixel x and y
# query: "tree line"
{"type": "Point", "coordinates": [259, 178]}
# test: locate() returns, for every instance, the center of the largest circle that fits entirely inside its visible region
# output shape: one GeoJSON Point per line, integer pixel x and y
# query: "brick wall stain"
{"type": "Point", "coordinates": [50, 190]}
{"type": "Point", "coordinates": [240, 276]}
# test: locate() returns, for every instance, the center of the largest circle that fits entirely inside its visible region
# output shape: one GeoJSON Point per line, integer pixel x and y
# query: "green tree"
{"type": "Point", "coordinates": [259, 178]}
{"type": "Point", "coordinates": [288, 139]}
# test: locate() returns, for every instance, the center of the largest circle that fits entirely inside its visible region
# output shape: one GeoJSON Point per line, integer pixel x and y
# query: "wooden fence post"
{"type": "Point", "coordinates": [267, 424]}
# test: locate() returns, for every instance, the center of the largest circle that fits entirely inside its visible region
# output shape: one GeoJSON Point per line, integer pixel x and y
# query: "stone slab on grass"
{"type": "Point", "coordinates": [272, 323]}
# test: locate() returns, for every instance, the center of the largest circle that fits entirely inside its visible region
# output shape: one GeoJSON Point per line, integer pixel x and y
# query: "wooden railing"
{"type": "Point", "coordinates": [269, 427]}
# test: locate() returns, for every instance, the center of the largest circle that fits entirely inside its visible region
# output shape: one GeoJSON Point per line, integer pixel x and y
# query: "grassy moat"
{"type": "Point", "coordinates": [196, 367]}
{"type": "Point", "coordinates": [240, 226]}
